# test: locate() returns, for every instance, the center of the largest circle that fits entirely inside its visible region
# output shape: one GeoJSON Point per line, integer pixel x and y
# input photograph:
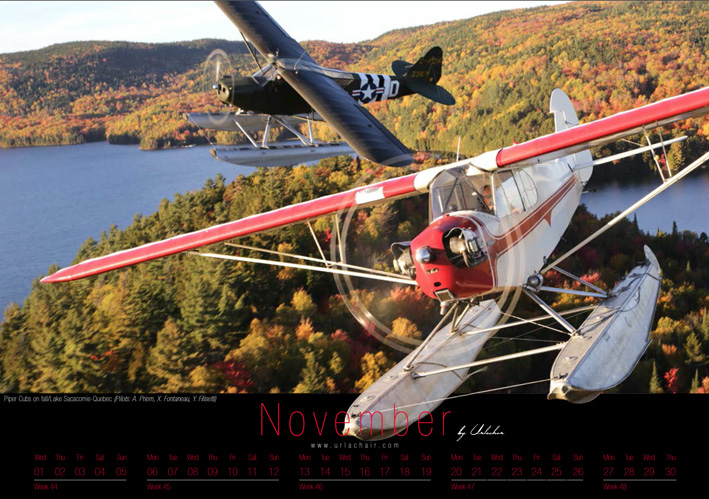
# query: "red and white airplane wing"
{"type": "Point", "coordinates": [361, 196]}
{"type": "Point", "coordinates": [605, 130]}
{"type": "Point", "coordinates": [535, 151]}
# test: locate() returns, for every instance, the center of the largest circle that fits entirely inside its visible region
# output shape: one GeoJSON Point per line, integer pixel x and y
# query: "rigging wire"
{"type": "Point", "coordinates": [521, 336]}
{"type": "Point", "coordinates": [469, 394]}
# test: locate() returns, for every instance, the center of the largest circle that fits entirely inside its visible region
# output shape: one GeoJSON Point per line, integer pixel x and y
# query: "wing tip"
{"type": "Point", "coordinates": [62, 275]}
{"type": "Point", "coordinates": [52, 278]}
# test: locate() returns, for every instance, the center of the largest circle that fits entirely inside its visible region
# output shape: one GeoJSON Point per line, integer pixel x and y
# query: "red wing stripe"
{"type": "Point", "coordinates": [390, 189]}
{"type": "Point", "coordinates": [613, 127]}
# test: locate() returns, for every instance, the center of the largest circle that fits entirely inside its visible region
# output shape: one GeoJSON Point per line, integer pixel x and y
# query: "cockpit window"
{"type": "Point", "coordinates": [507, 196]}
{"type": "Point", "coordinates": [514, 192]}
{"type": "Point", "coordinates": [526, 188]}
{"type": "Point", "coordinates": [268, 72]}
{"type": "Point", "coordinates": [502, 193]}
{"type": "Point", "coordinates": [452, 190]}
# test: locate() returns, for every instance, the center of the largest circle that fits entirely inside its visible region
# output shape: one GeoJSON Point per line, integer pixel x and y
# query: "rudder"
{"type": "Point", "coordinates": [564, 118]}
{"type": "Point", "coordinates": [422, 76]}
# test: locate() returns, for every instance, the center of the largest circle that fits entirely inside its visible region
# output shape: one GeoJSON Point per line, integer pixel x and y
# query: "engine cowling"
{"type": "Point", "coordinates": [451, 260]}
{"type": "Point", "coordinates": [273, 96]}
{"type": "Point", "coordinates": [239, 91]}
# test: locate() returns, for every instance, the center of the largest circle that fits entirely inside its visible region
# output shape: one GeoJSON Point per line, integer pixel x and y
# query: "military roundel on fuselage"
{"type": "Point", "coordinates": [374, 88]}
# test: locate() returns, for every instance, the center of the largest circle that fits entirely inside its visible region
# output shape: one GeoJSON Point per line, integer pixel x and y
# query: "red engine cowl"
{"type": "Point", "coordinates": [450, 257]}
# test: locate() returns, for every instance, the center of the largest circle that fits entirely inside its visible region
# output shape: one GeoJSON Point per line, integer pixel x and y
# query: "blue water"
{"type": "Point", "coordinates": [686, 202]}
{"type": "Point", "coordinates": [53, 198]}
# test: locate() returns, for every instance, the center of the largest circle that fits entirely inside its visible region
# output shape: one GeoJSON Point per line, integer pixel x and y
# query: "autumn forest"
{"type": "Point", "coordinates": [190, 324]}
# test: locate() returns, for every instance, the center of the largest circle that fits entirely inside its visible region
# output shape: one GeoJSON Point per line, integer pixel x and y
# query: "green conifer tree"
{"type": "Point", "coordinates": [655, 386]}
{"type": "Point", "coordinates": [695, 382]}
{"type": "Point", "coordinates": [173, 357]}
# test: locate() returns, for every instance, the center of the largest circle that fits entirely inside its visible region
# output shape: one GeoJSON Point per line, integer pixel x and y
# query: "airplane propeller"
{"type": "Point", "coordinates": [215, 67]}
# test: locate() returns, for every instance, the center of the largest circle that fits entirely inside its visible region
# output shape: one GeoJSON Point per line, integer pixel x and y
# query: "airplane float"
{"type": "Point", "coordinates": [293, 89]}
{"type": "Point", "coordinates": [495, 221]}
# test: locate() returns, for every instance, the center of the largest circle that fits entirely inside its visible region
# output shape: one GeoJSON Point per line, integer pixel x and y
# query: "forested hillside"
{"type": "Point", "coordinates": [189, 323]}
{"type": "Point", "coordinates": [126, 93]}
{"type": "Point", "coordinates": [186, 323]}
{"type": "Point", "coordinates": [500, 67]}
{"type": "Point", "coordinates": [608, 57]}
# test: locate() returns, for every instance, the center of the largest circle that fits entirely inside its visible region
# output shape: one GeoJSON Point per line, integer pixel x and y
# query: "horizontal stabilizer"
{"type": "Point", "coordinates": [423, 76]}
{"type": "Point", "coordinates": [431, 91]}
{"type": "Point", "coordinates": [400, 68]}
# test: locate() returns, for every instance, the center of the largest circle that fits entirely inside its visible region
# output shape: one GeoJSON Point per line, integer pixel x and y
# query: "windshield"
{"type": "Point", "coordinates": [452, 190]}
{"type": "Point", "coordinates": [267, 72]}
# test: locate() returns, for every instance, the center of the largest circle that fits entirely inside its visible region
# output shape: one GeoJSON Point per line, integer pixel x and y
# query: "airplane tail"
{"type": "Point", "coordinates": [423, 76]}
{"type": "Point", "coordinates": [564, 118]}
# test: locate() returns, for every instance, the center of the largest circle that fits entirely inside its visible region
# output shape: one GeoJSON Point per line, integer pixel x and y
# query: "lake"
{"type": "Point", "coordinates": [686, 202]}
{"type": "Point", "coordinates": [53, 198]}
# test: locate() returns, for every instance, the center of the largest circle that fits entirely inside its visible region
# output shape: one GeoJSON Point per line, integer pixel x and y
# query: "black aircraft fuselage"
{"type": "Point", "coordinates": [266, 92]}
{"type": "Point", "coordinates": [276, 96]}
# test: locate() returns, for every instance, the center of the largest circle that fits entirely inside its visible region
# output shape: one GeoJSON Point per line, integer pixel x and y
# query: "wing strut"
{"type": "Point", "coordinates": [664, 153]}
{"type": "Point", "coordinates": [571, 329]}
{"type": "Point", "coordinates": [317, 243]}
{"type": "Point", "coordinates": [641, 149]}
{"type": "Point", "coordinates": [397, 280]}
{"type": "Point", "coordinates": [502, 358]}
{"type": "Point", "coordinates": [248, 46]}
{"type": "Point", "coordinates": [328, 263]}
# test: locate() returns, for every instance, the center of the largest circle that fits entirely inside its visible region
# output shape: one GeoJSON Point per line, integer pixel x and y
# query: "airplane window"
{"type": "Point", "coordinates": [527, 188]}
{"type": "Point", "coordinates": [268, 72]}
{"type": "Point", "coordinates": [508, 200]}
{"type": "Point", "coordinates": [452, 190]}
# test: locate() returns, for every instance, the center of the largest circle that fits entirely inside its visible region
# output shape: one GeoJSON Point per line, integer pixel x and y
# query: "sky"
{"type": "Point", "coordinates": [33, 25]}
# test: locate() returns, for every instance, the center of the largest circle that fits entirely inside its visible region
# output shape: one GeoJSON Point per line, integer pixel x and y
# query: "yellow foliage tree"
{"type": "Point", "coordinates": [373, 367]}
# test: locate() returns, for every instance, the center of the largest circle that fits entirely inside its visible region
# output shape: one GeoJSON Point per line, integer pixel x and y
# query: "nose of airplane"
{"type": "Point", "coordinates": [237, 90]}
{"type": "Point", "coordinates": [451, 261]}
